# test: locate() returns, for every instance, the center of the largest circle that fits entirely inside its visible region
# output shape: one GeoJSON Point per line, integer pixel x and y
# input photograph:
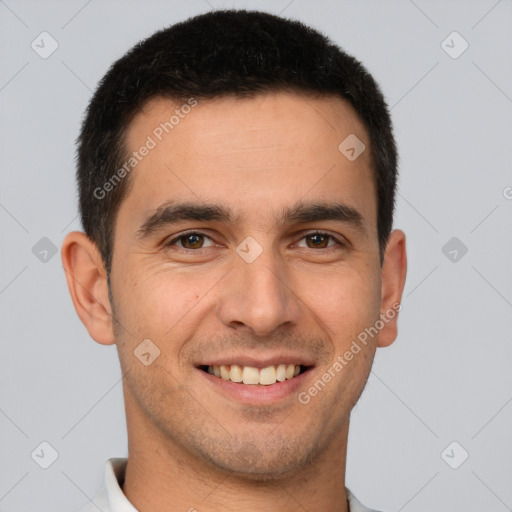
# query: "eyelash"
{"type": "Point", "coordinates": [189, 233]}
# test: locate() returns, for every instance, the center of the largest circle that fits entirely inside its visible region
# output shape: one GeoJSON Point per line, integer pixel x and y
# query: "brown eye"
{"type": "Point", "coordinates": [318, 240]}
{"type": "Point", "coordinates": [191, 241]}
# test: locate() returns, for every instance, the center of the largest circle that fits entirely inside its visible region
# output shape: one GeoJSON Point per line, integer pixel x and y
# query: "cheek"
{"type": "Point", "coordinates": [349, 303]}
{"type": "Point", "coordinates": [162, 308]}
{"type": "Point", "coordinates": [155, 302]}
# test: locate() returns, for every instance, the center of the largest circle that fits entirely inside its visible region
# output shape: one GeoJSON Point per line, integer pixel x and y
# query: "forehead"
{"type": "Point", "coordinates": [255, 154]}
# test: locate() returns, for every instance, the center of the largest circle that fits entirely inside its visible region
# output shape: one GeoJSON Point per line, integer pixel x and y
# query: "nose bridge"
{"type": "Point", "coordinates": [258, 294]}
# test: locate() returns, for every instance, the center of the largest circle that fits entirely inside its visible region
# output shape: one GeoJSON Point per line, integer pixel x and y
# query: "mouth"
{"type": "Point", "coordinates": [254, 376]}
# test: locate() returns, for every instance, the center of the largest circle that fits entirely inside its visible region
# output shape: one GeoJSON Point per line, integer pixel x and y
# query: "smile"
{"type": "Point", "coordinates": [251, 375]}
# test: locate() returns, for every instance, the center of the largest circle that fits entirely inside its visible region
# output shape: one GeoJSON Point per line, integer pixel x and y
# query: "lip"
{"type": "Point", "coordinates": [256, 394]}
{"type": "Point", "coordinates": [258, 362]}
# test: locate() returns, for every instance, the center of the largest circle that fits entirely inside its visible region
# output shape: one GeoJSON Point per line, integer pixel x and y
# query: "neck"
{"type": "Point", "coordinates": [161, 476]}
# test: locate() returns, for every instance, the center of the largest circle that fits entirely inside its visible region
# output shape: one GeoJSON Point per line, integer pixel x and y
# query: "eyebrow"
{"type": "Point", "coordinates": [171, 212]}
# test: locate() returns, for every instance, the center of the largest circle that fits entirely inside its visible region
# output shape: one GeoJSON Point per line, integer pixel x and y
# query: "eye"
{"type": "Point", "coordinates": [191, 240]}
{"type": "Point", "coordinates": [320, 240]}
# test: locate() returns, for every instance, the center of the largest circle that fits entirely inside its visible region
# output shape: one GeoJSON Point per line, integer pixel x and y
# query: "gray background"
{"type": "Point", "coordinates": [447, 377]}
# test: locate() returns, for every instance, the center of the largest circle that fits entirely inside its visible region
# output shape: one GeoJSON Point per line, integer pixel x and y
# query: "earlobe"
{"type": "Point", "coordinates": [394, 270]}
{"type": "Point", "coordinates": [87, 282]}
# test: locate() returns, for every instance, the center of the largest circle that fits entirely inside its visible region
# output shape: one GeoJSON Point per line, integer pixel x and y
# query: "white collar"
{"type": "Point", "coordinates": [114, 478]}
{"type": "Point", "coordinates": [111, 498]}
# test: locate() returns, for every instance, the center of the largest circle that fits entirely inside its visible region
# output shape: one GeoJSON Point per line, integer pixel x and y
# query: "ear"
{"type": "Point", "coordinates": [87, 282]}
{"type": "Point", "coordinates": [394, 270]}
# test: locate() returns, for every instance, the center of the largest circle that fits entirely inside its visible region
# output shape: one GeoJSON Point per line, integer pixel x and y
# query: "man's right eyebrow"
{"type": "Point", "coordinates": [173, 213]}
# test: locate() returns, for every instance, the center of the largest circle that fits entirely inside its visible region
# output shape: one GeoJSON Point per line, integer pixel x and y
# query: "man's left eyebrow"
{"type": "Point", "coordinates": [324, 211]}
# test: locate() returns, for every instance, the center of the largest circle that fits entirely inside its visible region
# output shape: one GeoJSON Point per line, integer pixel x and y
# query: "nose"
{"type": "Point", "coordinates": [259, 296]}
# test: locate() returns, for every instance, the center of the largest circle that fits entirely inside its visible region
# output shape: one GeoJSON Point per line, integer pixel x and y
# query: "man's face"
{"type": "Point", "coordinates": [277, 284]}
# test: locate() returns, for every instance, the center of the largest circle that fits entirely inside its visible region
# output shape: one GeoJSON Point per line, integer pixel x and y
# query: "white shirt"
{"type": "Point", "coordinates": [112, 499]}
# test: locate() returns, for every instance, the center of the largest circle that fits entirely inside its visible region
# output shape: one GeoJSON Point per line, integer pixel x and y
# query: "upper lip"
{"type": "Point", "coordinates": [258, 361]}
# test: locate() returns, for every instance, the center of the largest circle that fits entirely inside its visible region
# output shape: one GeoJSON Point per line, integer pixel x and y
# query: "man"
{"type": "Point", "coordinates": [237, 177]}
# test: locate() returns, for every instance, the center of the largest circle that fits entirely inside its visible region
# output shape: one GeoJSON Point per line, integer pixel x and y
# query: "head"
{"type": "Point", "coordinates": [274, 150]}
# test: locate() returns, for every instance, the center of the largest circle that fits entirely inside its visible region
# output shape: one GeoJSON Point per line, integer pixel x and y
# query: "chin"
{"type": "Point", "coordinates": [248, 461]}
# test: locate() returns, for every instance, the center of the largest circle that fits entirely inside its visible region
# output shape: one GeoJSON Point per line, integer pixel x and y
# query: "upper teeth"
{"type": "Point", "coordinates": [252, 375]}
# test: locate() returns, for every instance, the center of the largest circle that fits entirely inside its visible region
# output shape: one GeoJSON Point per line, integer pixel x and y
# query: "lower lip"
{"type": "Point", "coordinates": [256, 394]}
